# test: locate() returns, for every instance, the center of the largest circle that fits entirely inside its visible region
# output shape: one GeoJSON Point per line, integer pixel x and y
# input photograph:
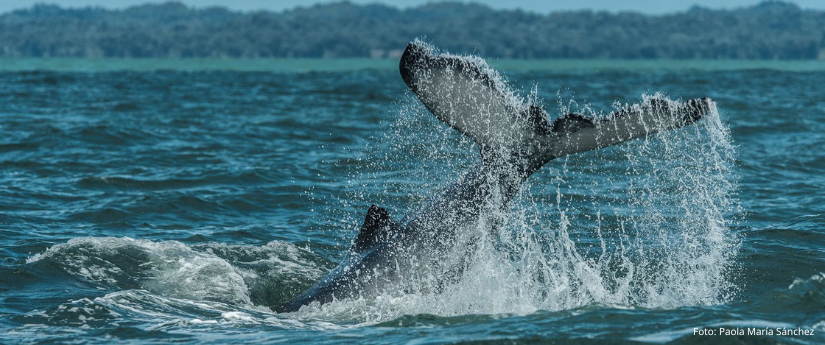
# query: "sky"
{"type": "Point", "coordinates": [541, 6]}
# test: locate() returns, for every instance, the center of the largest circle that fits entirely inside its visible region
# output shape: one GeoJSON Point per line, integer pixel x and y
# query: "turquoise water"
{"type": "Point", "coordinates": [165, 201]}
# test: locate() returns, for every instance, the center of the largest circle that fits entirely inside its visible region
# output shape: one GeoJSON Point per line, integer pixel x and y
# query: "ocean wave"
{"type": "Point", "coordinates": [233, 274]}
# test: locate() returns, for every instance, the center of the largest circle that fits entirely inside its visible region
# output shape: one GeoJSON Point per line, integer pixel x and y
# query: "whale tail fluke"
{"type": "Point", "coordinates": [573, 133]}
{"type": "Point", "coordinates": [468, 95]}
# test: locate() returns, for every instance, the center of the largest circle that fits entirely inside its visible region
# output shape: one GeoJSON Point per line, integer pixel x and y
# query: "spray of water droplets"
{"type": "Point", "coordinates": [645, 224]}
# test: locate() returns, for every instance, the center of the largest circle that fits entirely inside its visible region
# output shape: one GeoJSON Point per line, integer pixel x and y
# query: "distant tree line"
{"type": "Point", "coordinates": [770, 30]}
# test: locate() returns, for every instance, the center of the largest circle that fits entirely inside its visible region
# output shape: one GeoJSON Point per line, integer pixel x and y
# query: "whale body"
{"type": "Point", "coordinates": [515, 139]}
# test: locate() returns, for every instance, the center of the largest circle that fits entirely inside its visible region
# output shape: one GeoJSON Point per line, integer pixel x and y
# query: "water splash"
{"type": "Point", "coordinates": [642, 225]}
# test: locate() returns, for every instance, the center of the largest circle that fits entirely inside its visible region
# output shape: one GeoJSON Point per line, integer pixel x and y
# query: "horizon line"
{"type": "Point", "coordinates": [401, 8]}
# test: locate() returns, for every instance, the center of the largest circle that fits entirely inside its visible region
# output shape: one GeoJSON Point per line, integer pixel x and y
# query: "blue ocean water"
{"type": "Point", "coordinates": [180, 205]}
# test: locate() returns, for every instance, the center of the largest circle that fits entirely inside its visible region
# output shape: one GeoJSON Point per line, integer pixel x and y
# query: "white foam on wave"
{"type": "Point", "coordinates": [170, 314]}
{"type": "Point", "coordinates": [170, 268]}
{"type": "Point", "coordinates": [204, 272]}
{"type": "Point", "coordinates": [279, 258]}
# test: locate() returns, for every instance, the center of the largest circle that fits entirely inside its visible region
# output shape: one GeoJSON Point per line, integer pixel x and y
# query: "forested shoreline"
{"type": "Point", "coordinates": [770, 30]}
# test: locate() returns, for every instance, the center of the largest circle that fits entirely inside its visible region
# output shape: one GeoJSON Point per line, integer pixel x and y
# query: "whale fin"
{"type": "Point", "coordinates": [571, 123]}
{"type": "Point", "coordinates": [377, 226]}
{"type": "Point", "coordinates": [576, 133]}
{"type": "Point", "coordinates": [468, 95]}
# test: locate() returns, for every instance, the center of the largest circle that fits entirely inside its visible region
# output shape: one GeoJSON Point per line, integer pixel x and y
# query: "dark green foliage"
{"type": "Point", "coordinates": [771, 30]}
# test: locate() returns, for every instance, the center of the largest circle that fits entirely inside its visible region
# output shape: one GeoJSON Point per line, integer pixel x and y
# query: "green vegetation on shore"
{"type": "Point", "coordinates": [771, 30]}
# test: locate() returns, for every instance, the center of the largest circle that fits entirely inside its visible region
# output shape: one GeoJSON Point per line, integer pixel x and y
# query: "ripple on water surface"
{"type": "Point", "coordinates": [183, 206]}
